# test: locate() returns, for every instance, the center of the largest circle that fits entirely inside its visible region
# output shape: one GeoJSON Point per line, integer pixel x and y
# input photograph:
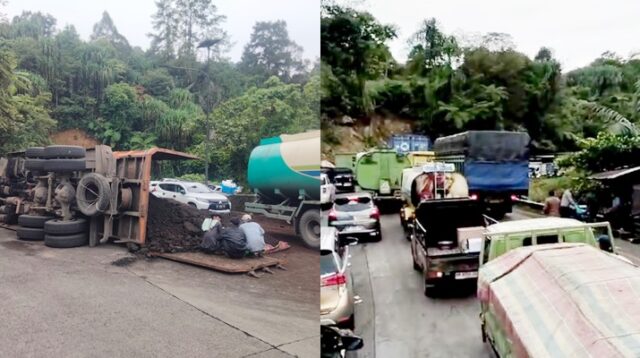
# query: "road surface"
{"type": "Point", "coordinates": [395, 319]}
{"type": "Point", "coordinates": [95, 302]}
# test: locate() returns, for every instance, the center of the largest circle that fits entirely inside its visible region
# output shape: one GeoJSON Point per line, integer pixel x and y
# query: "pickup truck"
{"type": "Point", "coordinates": [439, 251]}
{"type": "Point", "coordinates": [557, 287]}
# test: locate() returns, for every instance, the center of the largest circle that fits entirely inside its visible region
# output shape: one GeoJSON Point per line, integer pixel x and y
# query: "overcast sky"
{"type": "Point", "coordinates": [577, 31]}
{"type": "Point", "coordinates": [133, 18]}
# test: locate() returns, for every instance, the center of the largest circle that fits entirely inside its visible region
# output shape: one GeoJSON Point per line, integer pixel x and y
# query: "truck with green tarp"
{"type": "Point", "coordinates": [284, 173]}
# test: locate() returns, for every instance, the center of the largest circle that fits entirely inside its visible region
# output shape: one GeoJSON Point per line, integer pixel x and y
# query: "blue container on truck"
{"type": "Point", "coordinates": [404, 143]}
{"type": "Point", "coordinates": [495, 164]}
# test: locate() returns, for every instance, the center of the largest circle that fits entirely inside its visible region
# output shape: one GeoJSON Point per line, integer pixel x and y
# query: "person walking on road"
{"type": "Point", "coordinates": [551, 205]}
{"type": "Point", "coordinates": [254, 234]}
{"type": "Point", "coordinates": [567, 204]}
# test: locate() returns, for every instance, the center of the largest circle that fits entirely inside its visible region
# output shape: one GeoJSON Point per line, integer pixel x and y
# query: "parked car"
{"type": "Point", "coordinates": [336, 286]}
{"type": "Point", "coordinates": [327, 190]}
{"type": "Point", "coordinates": [195, 194]}
{"type": "Point", "coordinates": [355, 214]}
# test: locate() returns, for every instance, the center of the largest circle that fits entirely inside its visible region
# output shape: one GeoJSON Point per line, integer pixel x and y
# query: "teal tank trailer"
{"type": "Point", "coordinates": [284, 173]}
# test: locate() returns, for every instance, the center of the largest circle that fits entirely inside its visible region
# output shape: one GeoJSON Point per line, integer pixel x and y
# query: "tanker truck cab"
{"type": "Point", "coordinates": [447, 229]}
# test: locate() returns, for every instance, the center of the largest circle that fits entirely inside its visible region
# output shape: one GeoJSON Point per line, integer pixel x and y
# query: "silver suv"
{"type": "Point", "coordinates": [195, 194]}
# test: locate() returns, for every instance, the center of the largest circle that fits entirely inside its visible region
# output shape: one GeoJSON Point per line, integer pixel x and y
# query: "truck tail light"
{"type": "Point", "coordinates": [334, 280]}
{"type": "Point", "coordinates": [514, 198]}
{"type": "Point", "coordinates": [434, 274]}
{"type": "Point", "coordinates": [375, 213]}
{"type": "Point", "coordinates": [473, 197]}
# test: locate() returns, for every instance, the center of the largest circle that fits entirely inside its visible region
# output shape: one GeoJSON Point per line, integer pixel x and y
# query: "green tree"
{"type": "Point", "coordinates": [270, 52]}
{"type": "Point", "coordinates": [106, 29]}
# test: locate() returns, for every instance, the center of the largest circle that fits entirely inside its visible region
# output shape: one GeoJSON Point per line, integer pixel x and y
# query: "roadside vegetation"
{"type": "Point", "coordinates": [170, 95]}
{"type": "Point", "coordinates": [449, 84]}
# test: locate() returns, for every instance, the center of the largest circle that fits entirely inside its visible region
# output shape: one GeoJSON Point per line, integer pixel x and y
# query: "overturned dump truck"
{"type": "Point", "coordinates": [71, 196]}
{"type": "Point", "coordinates": [284, 173]}
{"type": "Point", "coordinates": [560, 300]}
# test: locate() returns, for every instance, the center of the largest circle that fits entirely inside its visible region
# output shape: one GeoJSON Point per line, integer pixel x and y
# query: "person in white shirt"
{"type": "Point", "coordinates": [254, 234]}
{"type": "Point", "coordinates": [567, 204]}
{"type": "Point", "coordinates": [212, 228]}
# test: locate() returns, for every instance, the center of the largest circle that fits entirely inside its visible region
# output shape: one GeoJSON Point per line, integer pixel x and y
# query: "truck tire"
{"type": "Point", "coordinates": [30, 234]}
{"type": "Point", "coordinates": [34, 152]}
{"type": "Point", "coordinates": [33, 221]}
{"type": "Point", "coordinates": [34, 164]}
{"type": "Point", "coordinates": [66, 241]}
{"type": "Point", "coordinates": [93, 194]}
{"type": "Point", "coordinates": [68, 227]}
{"type": "Point", "coordinates": [309, 228]}
{"type": "Point", "coordinates": [64, 165]}
{"type": "Point", "coordinates": [64, 151]}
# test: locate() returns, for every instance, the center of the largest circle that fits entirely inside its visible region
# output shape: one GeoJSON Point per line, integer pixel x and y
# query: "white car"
{"type": "Point", "coordinates": [327, 190]}
{"type": "Point", "coordinates": [195, 194]}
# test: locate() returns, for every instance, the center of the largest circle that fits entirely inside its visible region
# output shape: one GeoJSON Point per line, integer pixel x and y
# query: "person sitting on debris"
{"type": "Point", "coordinates": [552, 205]}
{"type": "Point", "coordinates": [232, 240]}
{"type": "Point", "coordinates": [254, 234]}
{"type": "Point", "coordinates": [212, 229]}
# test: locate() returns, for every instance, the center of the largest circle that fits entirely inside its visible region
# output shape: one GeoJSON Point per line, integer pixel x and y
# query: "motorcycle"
{"type": "Point", "coordinates": [335, 342]}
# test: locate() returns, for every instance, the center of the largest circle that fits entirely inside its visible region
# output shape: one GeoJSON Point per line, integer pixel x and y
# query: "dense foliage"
{"type": "Point", "coordinates": [169, 95]}
{"type": "Point", "coordinates": [447, 86]}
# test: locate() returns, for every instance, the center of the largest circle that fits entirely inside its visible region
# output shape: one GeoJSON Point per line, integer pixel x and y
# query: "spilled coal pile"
{"type": "Point", "coordinates": [173, 226]}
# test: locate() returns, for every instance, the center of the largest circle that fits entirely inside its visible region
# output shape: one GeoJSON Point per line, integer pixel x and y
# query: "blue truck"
{"type": "Point", "coordinates": [405, 143]}
{"type": "Point", "coordinates": [495, 164]}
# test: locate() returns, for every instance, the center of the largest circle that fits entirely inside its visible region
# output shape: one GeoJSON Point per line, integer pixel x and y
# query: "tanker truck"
{"type": "Point", "coordinates": [284, 173]}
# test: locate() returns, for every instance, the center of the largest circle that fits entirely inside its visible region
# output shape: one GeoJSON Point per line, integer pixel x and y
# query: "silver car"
{"type": "Point", "coordinates": [355, 214]}
{"type": "Point", "coordinates": [336, 286]}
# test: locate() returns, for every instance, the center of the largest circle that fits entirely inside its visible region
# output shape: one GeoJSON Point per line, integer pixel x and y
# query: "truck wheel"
{"type": "Point", "coordinates": [30, 234]}
{"type": "Point", "coordinates": [93, 194]}
{"type": "Point", "coordinates": [33, 221]}
{"type": "Point", "coordinates": [66, 241]}
{"type": "Point", "coordinates": [34, 164]}
{"type": "Point", "coordinates": [309, 228]}
{"type": "Point", "coordinates": [34, 152]}
{"type": "Point", "coordinates": [64, 165]}
{"type": "Point", "coordinates": [68, 227]}
{"type": "Point", "coordinates": [64, 151]}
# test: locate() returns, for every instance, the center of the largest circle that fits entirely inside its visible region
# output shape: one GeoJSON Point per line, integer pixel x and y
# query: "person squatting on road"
{"type": "Point", "coordinates": [212, 228]}
{"type": "Point", "coordinates": [229, 240]}
{"type": "Point", "coordinates": [254, 234]}
{"type": "Point", "coordinates": [551, 205]}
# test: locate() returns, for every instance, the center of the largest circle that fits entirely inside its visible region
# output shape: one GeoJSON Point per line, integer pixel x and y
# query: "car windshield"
{"type": "Point", "coordinates": [327, 264]}
{"type": "Point", "coordinates": [352, 204]}
{"type": "Point", "coordinates": [198, 188]}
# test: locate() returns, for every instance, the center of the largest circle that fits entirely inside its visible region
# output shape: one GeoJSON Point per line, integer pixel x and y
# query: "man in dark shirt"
{"type": "Point", "coordinates": [232, 240]}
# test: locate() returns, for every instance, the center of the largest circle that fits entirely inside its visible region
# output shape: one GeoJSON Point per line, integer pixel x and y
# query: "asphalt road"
{"type": "Point", "coordinates": [80, 303]}
{"type": "Point", "coordinates": [395, 319]}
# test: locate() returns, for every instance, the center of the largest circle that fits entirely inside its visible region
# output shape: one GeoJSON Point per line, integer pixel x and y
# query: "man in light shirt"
{"type": "Point", "coordinates": [212, 229]}
{"type": "Point", "coordinates": [254, 234]}
{"type": "Point", "coordinates": [567, 204]}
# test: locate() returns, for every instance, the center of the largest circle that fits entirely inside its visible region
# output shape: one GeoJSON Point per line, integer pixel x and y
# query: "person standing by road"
{"type": "Point", "coordinates": [567, 204]}
{"type": "Point", "coordinates": [254, 234]}
{"type": "Point", "coordinates": [551, 205]}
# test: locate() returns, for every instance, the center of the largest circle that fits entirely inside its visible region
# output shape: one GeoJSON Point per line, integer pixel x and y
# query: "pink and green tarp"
{"type": "Point", "coordinates": [561, 300]}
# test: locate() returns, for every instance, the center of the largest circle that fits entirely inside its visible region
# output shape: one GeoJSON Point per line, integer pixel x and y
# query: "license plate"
{"type": "Point", "coordinates": [465, 275]}
{"type": "Point", "coordinates": [354, 228]}
{"type": "Point", "coordinates": [495, 201]}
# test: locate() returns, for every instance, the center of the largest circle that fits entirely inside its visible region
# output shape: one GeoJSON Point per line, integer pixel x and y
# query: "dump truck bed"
{"type": "Point", "coordinates": [561, 300]}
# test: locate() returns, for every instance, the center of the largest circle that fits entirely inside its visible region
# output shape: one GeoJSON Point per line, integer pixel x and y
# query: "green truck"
{"type": "Point", "coordinates": [380, 171]}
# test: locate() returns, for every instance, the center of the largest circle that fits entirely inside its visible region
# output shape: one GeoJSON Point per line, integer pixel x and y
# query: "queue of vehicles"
{"type": "Point", "coordinates": [526, 271]}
